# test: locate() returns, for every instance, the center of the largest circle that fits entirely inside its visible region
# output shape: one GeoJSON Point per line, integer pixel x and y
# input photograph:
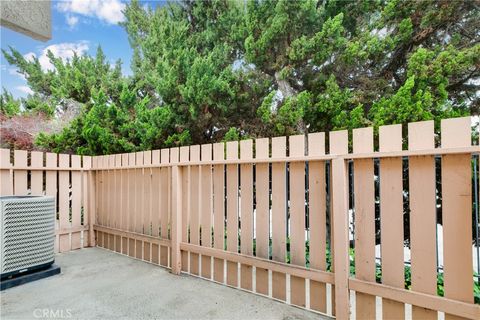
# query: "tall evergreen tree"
{"type": "Point", "coordinates": [205, 71]}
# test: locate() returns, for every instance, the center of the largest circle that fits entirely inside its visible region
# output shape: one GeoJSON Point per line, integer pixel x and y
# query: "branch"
{"type": "Point", "coordinates": [461, 83]}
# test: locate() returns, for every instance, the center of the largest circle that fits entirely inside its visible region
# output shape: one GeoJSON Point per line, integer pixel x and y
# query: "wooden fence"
{"type": "Point", "coordinates": [265, 217]}
{"type": "Point", "coordinates": [66, 177]}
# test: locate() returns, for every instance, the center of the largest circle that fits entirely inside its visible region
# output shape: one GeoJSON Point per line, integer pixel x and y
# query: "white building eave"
{"type": "Point", "coordinates": [30, 17]}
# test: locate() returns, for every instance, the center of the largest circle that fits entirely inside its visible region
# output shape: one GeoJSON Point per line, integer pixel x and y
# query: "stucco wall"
{"type": "Point", "coordinates": [30, 17]}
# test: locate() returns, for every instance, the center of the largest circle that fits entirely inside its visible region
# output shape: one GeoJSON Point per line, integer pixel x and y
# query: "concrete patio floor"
{"type": "Point", "coordinates": [99, 284]}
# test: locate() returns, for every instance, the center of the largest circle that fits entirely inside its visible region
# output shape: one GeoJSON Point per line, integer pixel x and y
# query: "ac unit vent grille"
{"type": "Point", "coordinates": [28, 232]}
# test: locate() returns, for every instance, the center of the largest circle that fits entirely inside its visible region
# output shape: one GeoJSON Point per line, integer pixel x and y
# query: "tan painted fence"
{"type": "Point", "coordinates": [66, 177]}
{"type": "Point", "coordinates": [263, 216]}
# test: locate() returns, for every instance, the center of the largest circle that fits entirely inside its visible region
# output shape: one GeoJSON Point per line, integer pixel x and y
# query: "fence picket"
{"type": "Point", "coordinates": [156, 198]}
{"type": "Point", "coordinates": [64, 201]}
{"type": "Point", "coordinates": [232, 211]}
{"type": "Point", "coordinates": [174, 159]}
{"type": "Point", "coordinates": [147, 203]}
{"type": "Point", "coordinates": [246, 212]}
{"type": "Point", "coordinates": [177, 194]}
{"type": "Point", "coordinates": [36, 181]}
{"type": "Point", "coordinates": [76, 210]}
{"type": "Point", "coordinates": [364, 220]}
{"type": "Point", "coordinates": [279, 215]}
{"type": "Point", "coordinates": [51, 187]}
{"type": "Point", "coordinates": [112, 199]}
{"type": "Point", "coordinates": [297, 217]}
{"type": "Point", "coordinates": [103, 162]}
{"type": "Point", "coordinates": [165, 190]}
{"type": "Point", "coordinates": [338, 145]}
{"type": "Point", "coordinates": [218, 210]}
{"type": "Point", "coordinates": [106, 200]}
{"type": "Point", "coordinates": [139, 202]}
{"type": "Point", "coordinates": [422, 215]}
{"type": "Point", "coordinates": [88, 202]}
{"type": "Point", "coordinates": [206, 208]}
{"type": "Point", "coordinates": [20, 175]}
{"type": "Point", "coordinates": [124, 176]}
{"type": "Point", "coordinates": [185, 157]}
{"type": "Point", "coordinates": [118, 201]}
{"type": "Point", "coordinates": [391, 218]}
{"type": "Point", "coordinates": [317, 220]}
{"type": "Point", "coordinates": [131, 202]}
{"type": "Point", "coordinates": [194, 211]}
{"type": "Point", "coordinates": [100, 198]}
{"type": "Point", "coordinates": [339, 243]}
{"type": "Point", "coordinates": [457, 212]}
{"type": "Point", "coordinates": [262, 213]}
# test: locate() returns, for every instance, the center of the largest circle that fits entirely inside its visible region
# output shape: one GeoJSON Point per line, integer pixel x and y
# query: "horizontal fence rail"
{"type": "Point", "coordinates": [319, 221]}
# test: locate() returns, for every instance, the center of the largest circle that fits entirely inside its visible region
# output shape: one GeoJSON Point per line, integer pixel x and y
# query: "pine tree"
{"type": "Point", "coordinates": [207, 71]}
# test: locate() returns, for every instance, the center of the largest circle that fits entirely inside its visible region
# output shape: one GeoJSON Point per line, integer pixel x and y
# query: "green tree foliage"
{"type": "Point", "coordinates": [370, 62]}
{"type": "Point", "coordinates": [76, 79]}
{"type": "Point", "coordinates": [9, 106]}
{"type": "Point", "coordinates": [206, 71]}
{"type": "Point", "coordinates": [184, 58]}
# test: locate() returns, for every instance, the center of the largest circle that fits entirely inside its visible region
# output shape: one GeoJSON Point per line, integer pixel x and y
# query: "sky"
{"type": "Point", "coordinates": [77, 25]}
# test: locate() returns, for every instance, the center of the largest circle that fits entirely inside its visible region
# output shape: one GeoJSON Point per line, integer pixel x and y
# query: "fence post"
{"type": "Point", "coordinates": [176, 219]}
{"type": "Point", "coordinates": [340, 234]}
{"type": "Point", "coordinates": [91, 200]}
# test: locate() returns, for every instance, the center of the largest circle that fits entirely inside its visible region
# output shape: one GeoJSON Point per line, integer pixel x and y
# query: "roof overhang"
{"type": "Point", "coordinates": [30, 17]}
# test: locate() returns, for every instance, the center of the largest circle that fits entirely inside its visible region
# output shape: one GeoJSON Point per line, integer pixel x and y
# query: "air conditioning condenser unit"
{"type": "Point", "coordinates": [27, 234]}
